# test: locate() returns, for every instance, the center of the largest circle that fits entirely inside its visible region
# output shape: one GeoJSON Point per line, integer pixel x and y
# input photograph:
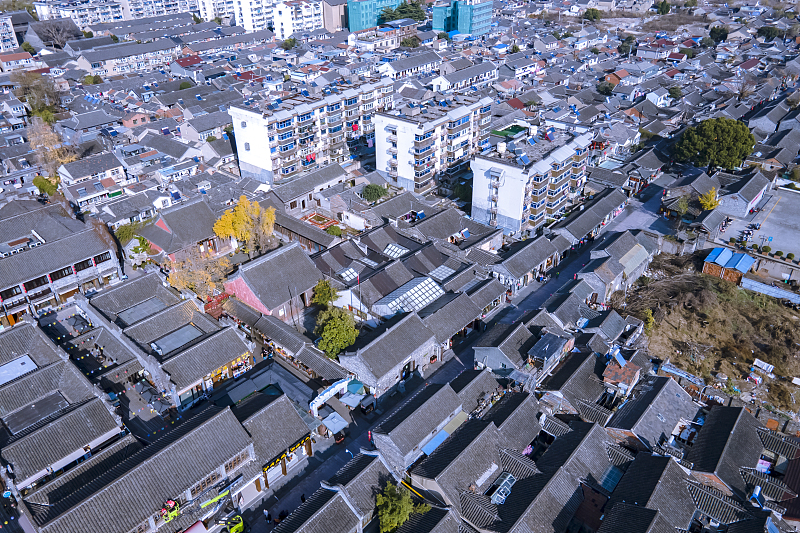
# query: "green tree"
{"type": "Point", "coordinates": [324, 293]}
{"type": "Point", "coordinates": [289, 43]}
{"type": "Point", "coordinates": [443, 35]}
{"type": "Point", "coordinates": [337, 330]}
{"type": "Point", "coordinates": [88, 34]}
{"type": "Point", "coordinates": [682, 206]}
{"type": "Point", "coordinates": [196, 19]}
{"type": "Point", "coordinates": [45, 186]}
{"type": "Point", "coordinates": [627, 46]}
{"type": "Point", "coordinates": [185, 85]}
{"type": "Point", "coordinates": [373, 192]}
{"type": "Point", "coordinates": [38, 91]}
{"type": "Point", "coordinates": [595, 50]}
{"type": "Point", "coordinates": [336, 231]}
{"type": "Point", "coordinates": [675, 93]}
{"type": "Point", "coordinates": [406, 10]}
{"type": "Point", "coordinates": [709, 201]}
{"type": "Point", "coordinates": [410, 42]}
{"type": "Point", "coordinates": [592, 14]}
{"type": "Point", "coordinates": [718, 33]}
{"type": "Point", "coordinates": [514, 49]}
{"type": "Point", "coordinates": [395, 507]}
{"type": "Point", "coordinates": [605, 88]}
{"type": "Point", "coordinates": [688, 52]}
{"type": "Point", "coordinates": [211, 138]}
{"type": "Point", "coordinates": [690, 3]}
{"type": "Point", "coordinates": [717, 142]}
{"type": "Point", "coordinates": [88, 79]}
{"type": "Point", "coordinates": [707, 42]}
{"type": "Point", "coordinates": [649, 321]}
{"type": "Point", "coordinates": [795, 174]}
{"type": "Point", "coordinates": [26, 46]}
{"type": "Point", "coordinates": [768, 32]}
{"type": "Point", "coordinates": [126, 232]}
{"type": "Point", "coordinates": [114, 38]}
{"type": "Point", "coordinates": [664, 7]}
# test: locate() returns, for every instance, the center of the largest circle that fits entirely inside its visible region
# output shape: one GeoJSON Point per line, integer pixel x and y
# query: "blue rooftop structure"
{"type": "Point", "coordinates": [725, 258]}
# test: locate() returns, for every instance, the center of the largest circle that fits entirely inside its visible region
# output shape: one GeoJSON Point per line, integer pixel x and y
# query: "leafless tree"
{"type": "Point", "coordinates": [747, 87]}
{"type": "Point", "coordinates": [57, 32]}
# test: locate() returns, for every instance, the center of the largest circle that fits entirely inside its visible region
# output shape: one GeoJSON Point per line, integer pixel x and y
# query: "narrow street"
{"type": "Point", "coordinates": [641, 213]}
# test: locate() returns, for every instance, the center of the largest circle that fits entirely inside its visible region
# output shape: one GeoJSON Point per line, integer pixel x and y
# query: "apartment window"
{"type": "Point", "coordinates": [83, 265]}
{"type": "Point", "coordinates": [287, 147]}
{"type": "Point", "coordinates": [285, 123]}
{"type": "Point", "coordinates": [237, 461]}
{"type": "Point", "coordinates": [63, 273]}
{"type": "Point", "coordinates": [35, 283]}
{"type": "Point", "coordinates": [207, 482]}
{"type": "Point", "coordinates": [10, 293]}
{"type": "Point", "coordinates": [284, 136]}
{"type": "Point", "coordinates": [102, 258]}
{"type": "Point", "coordinates": [247, 147]}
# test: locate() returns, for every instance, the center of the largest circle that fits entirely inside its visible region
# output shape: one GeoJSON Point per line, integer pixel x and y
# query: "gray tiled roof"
{"type": "Point", "coordinates": [578, 377]}
{"type": "Point", "coordinates": [462, 459]}
{"type": "Point", "coordinates": [168, 320]}
{"type": "Point", "coordinates": [657, 399]}
{"type": "Point", "coordinates": [360, 479]}
{"type": "Point", "coordinates": [37, 450]}
{"type": "Point", "coordinates": [273, 424]}
{"type": "Point", "coordinates": [434, 521]}
{"type": "Point", "coordinates": [657, 482]}
{"type": "Point", "coordinates": [281, 333]}
{"type": "Point", "coordinates": [210, 121]}
{"type": "Point", "coordinates": [580, 224]}
{"type": "Point", "coordinates": [114, 300]}
{"type": "Point", "coordinates": [391, 347]}
{"type": "Point", "coordinates": [91, 165]}
{"type": "Point", "coordinates": [306, 183]}
{"type": "Point", "coordinates": [26, 339]}
{"type": "Point", "coordinates": [414, 421]}
{"type": "Point", "coordinates": [325, 511]}
{"type": "Point", "coordinates": [179, 460]}
{"type": "Point", "coordinates": [447, 320]}
{"type": "Point", "coordinates": [62, 377]}
{"type": "Point", "coordinates": [727, 442]}
{"type": "Point", "coordinates": [516, 416]}
{"type": "Point", "coordinates": [189, 223]}
{"type": "Point", "coordinates": [635, 519]}
{"type": "Point", "coordinates": [471, 385]}
{"type": "Point", "coordinates": [531, 255]}
{"type": "Point", "coordinates": [283, 274]}
{"type": "Point", "coordinates": [50, 257]}
{"type": "Point", "coordinates": [192, 364]}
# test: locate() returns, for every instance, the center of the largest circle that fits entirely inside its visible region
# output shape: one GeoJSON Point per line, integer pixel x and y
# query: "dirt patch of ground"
{"type": "Point", "coordinates": [671, 22]}
{"type": "Point", "coordinates": [706, 325]}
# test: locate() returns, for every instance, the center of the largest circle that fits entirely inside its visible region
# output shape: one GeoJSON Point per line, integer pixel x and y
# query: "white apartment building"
{"type": "Point", "coordinates": [8, 39]}
{"type": "Point", "coordinates": [90, 12]}
{"type": "Point", "coordinates": [254, 15]}
{"type": "Point", "coordinates": [417, 144]}
{"type": "Point", "coordinates": [129, 57]}
{"type": "Point", "coordinates": [296, 16]}
{"type": "Point", "coordinates": [209, 9]}
{"type": "Point", "coordinates": [528, 176]}
{"type": "Point", "coordinates": [305, 132]}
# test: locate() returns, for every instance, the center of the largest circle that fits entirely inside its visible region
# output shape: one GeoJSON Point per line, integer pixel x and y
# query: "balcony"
{"type": "Point", "coordinates": [493, 197]}
{"type": "Point", "coordinates": [285, 127]}
{"type": "Point", "coordinates": [493, 222]}
{"type": "Point", "coordinates": [392, 138]}
{"type": "Point", "coordinates": [393, 162]}
{"type": "Point", "coordinates": [392, 150]}
{"type": "Point", "coordinates": [424, 143]}
{"type": "Point", "coordinates": [393, 173]}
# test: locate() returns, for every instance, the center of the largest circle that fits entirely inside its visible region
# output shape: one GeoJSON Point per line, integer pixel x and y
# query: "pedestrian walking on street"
{"type": "Point", "coordinates": [303, 498]}
{"type": "Point", "coordinates": [558, 274]}
{"type": "Point", "coordinates": [267, 516]}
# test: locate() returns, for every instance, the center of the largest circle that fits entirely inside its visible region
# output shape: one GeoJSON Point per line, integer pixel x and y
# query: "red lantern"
{"type": "Point", "coordinates": [355, 127]}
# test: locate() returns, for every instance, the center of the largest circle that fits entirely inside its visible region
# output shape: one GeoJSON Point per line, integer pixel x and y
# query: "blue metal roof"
{"type": "Point", "coordinates": [719, 256]}
{"type": "Point", "coordinates": [740, 262]}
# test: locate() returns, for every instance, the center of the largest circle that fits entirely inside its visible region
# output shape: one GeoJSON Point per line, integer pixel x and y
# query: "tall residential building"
{"type": "Point", "coordinates": [83, 13]}
{"type": "Point", "coordinates": [296, 16]}
{"type": "Point", "coordinates": [8, 39]}
{"type": "Point", "coordinates": [210, 9]}
{"type": "Point", "coordinates": [417, 144]}
{"type": "Point", "coordinates": [334, 15]}
{"type": "Point", "coordinates": [305, 131]}
{"type": "Point", "coordinates": [363, 14]}
{"type": "Point", "coordinates": [464, 16]}
{"type": "Point", "coordinates": [527, 177]}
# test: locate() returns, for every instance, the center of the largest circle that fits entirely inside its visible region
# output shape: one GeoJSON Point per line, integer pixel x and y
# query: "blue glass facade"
{"type": "Point", "coordinates": [463, 16]}
{"type": "Point", "coordinates": [364, 14]}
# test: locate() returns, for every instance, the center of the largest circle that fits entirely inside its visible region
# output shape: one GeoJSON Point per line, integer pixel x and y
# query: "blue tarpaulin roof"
{"type": "Point", "coordinates": [435, 442]}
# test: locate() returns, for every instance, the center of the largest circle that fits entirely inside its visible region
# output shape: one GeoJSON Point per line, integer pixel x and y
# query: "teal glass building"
{"type": "Point", "coordinates": [463, 16]}
{"type": "Point", "coordinates": [364, 14]}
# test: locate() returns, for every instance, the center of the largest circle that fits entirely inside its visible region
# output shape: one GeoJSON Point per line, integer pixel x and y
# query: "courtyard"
{"type": "Point", "coordinates": [780, 221]}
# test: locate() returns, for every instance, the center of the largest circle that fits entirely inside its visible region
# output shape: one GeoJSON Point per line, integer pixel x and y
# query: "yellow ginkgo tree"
{"type": "Point", "coordinates": [248, 223]}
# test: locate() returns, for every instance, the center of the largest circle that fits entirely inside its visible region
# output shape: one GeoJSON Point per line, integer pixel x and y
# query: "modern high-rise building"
{"type": "Point", "coordinates": [527, 177]}
{"type": "Point", "coordinates": [305, 131]}
{"type": "Point", "coordinates": [417, 144]}
{"type": "Point", "coordinates": [363, 14]}
{"type": "Point", "coordinates": [464, 16]}
{"type": "Point", "coordinates": [296, 16]}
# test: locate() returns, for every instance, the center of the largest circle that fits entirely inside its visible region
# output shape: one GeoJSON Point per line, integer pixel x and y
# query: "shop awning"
{"type": "Point", "coordinates": [356, 387]}
{"type": "Point", "coordinates": [334, 422]}
{"type": "Point", "coordinates": [351, 400]}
